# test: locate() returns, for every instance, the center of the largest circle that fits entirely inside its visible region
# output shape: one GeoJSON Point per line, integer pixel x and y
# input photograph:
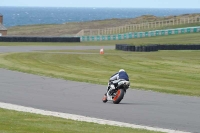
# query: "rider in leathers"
{"type": "Point", "coordinates": [114, 79]}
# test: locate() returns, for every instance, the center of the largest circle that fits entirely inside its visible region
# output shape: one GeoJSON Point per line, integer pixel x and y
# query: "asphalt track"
{"type": "Point", "coordinates": [138, 107]}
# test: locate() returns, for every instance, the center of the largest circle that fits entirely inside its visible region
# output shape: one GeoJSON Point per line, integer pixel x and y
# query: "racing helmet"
{"type": "Point", "coordinates": [121, 70]}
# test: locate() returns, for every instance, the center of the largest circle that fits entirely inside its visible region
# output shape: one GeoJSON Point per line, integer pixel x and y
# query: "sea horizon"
{"type": "Point", "coordinates": [30, 15]}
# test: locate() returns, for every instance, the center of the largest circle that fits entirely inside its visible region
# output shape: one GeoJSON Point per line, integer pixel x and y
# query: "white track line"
{"type": "Point", "coordinates": [82, 118]}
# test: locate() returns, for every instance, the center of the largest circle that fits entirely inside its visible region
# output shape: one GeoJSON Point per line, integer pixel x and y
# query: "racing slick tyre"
{"type": "Point", "coordinates": [119, 96]}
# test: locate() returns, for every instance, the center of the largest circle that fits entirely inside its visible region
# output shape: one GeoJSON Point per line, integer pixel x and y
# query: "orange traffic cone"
{"type": "Point", "coordinates": [101, 51]}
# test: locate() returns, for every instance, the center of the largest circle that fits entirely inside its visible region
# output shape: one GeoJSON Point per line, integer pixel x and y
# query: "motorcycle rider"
{"type": "Point", "coordinates": [114, 79]}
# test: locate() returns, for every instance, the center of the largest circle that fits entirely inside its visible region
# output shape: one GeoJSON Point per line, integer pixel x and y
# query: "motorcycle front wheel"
{"type": "Point", "coordinates": [119, 96]}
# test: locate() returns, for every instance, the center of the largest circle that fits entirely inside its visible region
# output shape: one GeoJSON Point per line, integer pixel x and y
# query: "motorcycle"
{"type": "Point", "coordinates": [117, 94]}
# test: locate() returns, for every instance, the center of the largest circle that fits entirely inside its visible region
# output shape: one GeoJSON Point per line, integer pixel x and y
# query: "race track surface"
{"type": "Point", "coordinates": [138, 107]}
{"type": "Point", "coordinates": [6, 49]}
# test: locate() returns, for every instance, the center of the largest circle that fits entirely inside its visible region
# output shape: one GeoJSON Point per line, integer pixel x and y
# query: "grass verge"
{"type": "Point", "coordinates": [20, 122]}
{"type": "Point", "coordinates": [176, 72]}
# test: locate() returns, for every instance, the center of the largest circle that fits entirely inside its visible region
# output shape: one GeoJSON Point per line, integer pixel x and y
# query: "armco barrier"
{"type": "Point", "coordinates": [141, 34]}
{"type": "Point", "coordinates": [38, 39]}
{"type": "Point", "coordinates": [155, 47]}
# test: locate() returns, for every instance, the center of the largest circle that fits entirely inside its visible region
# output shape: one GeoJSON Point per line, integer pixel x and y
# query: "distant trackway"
{"type": "Point", "coordinates": [139, 107]}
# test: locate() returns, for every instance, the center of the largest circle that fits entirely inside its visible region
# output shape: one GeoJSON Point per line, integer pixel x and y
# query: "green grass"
{"type": "Point", "coordinates": [192, 38]}
{"type": "Point", "coordinates": [20, 122]}
{"type": "Point", "coordinates": [176, 72]}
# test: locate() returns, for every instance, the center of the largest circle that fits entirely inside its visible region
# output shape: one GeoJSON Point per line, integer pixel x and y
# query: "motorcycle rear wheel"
{"type": "Point", "coordinates": [119, 96]}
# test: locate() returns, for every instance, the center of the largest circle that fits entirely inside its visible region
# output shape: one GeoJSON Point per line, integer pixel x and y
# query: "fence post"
{"type": "Point", "coordinates": [131, 27]}
{"type": "Point", "coordinates": [90, 32]}
{"type": "Point", "coordinates": [111, 30]}
{"type": "Point", "coordinates": [83, 32]}
{"type": "Point", "coordinates": [155, 25]}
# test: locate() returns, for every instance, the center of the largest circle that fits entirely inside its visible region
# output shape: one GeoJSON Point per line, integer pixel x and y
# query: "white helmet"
{"type": "Point", "coordinates": [121, 70]}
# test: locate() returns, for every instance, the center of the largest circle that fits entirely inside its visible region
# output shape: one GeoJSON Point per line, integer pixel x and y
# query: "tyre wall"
{"type": "Point", "coordinates": [155, 47]}
{"type": "Point", "coordinates": [38, 39]}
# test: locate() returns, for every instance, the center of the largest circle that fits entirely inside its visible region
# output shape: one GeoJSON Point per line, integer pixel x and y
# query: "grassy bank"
{"type": "Point", "coordinates": [192, 38]}
{"type": "Point", "coordinates": [72, 28]}
{"type": "Point", "coordinates": [19, 122]}
{"type": "Point", "coordinates": [176, 72]}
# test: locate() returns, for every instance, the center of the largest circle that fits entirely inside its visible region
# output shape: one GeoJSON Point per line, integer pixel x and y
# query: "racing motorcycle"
{"type": "Point", "coordinates": [117, 94]}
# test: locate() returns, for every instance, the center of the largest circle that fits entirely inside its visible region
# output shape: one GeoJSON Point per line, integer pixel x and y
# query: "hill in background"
{"type": "Point", "coordinates": [72, 28]}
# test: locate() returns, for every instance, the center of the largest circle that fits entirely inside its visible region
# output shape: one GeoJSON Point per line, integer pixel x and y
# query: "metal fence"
{"type": "Point", "coordinates": [141, 34]}
{"type": "Point", "coordinates": [140, 26]}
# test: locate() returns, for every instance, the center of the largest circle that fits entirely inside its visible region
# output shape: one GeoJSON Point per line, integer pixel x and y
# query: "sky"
{"type": "Point", "coordinates": [105, 3]}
